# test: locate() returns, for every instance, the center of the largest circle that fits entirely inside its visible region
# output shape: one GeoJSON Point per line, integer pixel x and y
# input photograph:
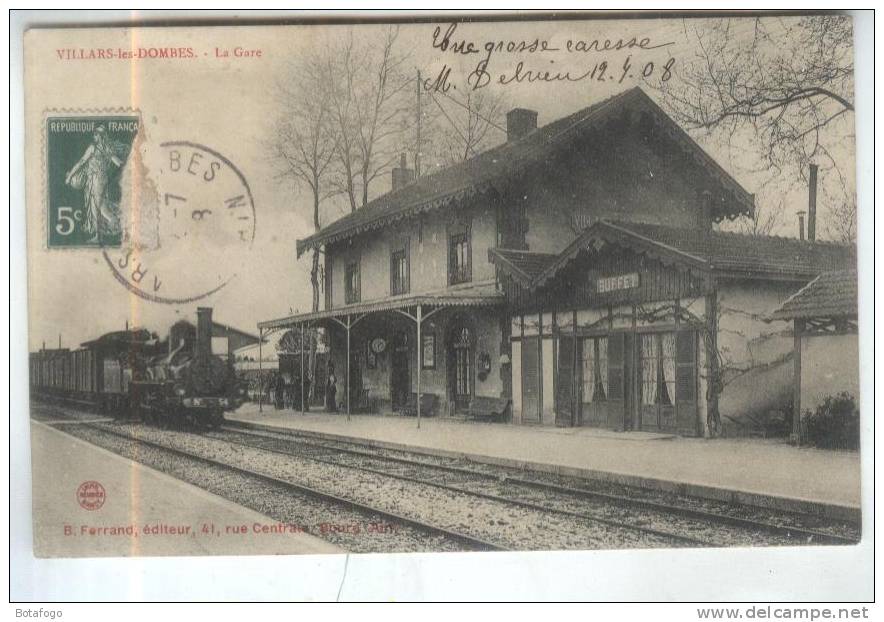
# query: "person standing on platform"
{"type": "Point", "coordinates": [305, 403]}
{"type": "Point", "coordinates": [331, 390]}
{"type": "Point", "coordinates": [279, 392]}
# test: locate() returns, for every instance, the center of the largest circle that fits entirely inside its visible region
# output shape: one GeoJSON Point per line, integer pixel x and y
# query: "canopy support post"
{"type": "Point", "coordinates": [260, 370]}
{"type": "Point", "coordinates": [348, 368]}
{"type": "Point", "coordinates": [419, 364]}
{"type": "Point", "coordinates": [302, 368]}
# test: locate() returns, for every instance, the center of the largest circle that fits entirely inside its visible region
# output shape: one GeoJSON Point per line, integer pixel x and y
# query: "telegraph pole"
{"type": "Point", "coordinates": [417, 151]}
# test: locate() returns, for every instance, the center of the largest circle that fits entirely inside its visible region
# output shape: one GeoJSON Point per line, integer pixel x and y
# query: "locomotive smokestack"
{"type": "Point", "coordinates": [203, 333]}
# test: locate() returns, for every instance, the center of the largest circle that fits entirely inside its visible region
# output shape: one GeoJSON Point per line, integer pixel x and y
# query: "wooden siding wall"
{"type": "Point", "coordinates": [575, 287]}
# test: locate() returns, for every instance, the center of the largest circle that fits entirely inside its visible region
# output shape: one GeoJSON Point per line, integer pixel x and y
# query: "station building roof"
{"type": "Point", "coordinates": [714, 252]}
{"type": "Point", "coordinates": [524, 266]}
{"type": "Point", "coordinates": [477, 174]}
{"type": "Point", "coordinates": [831, 294]}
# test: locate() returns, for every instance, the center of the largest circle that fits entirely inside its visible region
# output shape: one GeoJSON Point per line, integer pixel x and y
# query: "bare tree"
{"type": "Point", "coordinates": [842, 223]}
{"type": "Point", "coordinates": [367, 92]}
{"type": "Point", "coordinates": [763, 221]}
{"type": "Point", "coordinates": [784, 83]}
{"type": "Point", "coordinates": [784, 86]}
{"type": "Point", "coordinates": [303, 144]}
{"type": "Point", "coordinates": [465, 126]}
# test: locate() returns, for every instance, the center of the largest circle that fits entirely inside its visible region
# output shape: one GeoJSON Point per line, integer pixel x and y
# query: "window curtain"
{"type": "Point", "coordinates": [667, 384]}
{"type": "Point", "coordinates": [589, 371]}
{"type": "Point", "coordinates": [601, 370]}
{"type": "Point", "coordinates": [649, 369]}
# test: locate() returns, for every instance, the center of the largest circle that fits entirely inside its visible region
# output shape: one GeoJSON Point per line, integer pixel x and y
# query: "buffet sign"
{"type": "Point", "coordinates": [616, 283]}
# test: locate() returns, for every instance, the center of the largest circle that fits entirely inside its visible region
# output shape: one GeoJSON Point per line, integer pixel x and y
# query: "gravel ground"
{"type": "Point", "coordinates": [703, 530]}
{"type": "Point", "coordinates": [519, 526]}
{"type": "Point", "coordinates": [499, 522]}
{"type": "Point", "coordinates": [735, 536]}
{"type": "Point", "coordinates": [347, 528]}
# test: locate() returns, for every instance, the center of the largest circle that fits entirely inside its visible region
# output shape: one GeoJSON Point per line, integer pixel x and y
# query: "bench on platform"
{"type": "Point", "coordinates": [362, 402]}
{"type": "Point", "coordinates": [488, 408]}
{"type": "Point", "coordinates": [429, 405]}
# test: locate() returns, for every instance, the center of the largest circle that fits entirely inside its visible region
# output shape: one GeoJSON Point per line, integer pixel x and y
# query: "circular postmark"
{"type": "Point", "coordinates": [91, 495]}
{"type": "Point", "coordinates": [190, 221]}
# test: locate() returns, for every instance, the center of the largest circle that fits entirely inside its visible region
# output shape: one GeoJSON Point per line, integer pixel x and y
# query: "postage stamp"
{"type": "Point", "coordinates": [85, 156]}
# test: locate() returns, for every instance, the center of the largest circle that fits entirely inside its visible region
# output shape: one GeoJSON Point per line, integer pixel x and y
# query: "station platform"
{"type": "Point", "coordinates": [760, 472]}
{"type": "Point", "coordinates": [167, 514]}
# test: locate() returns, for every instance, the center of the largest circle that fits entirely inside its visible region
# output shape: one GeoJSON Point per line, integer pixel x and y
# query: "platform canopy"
{"type": "Point", "coordinates": [416, 307]}
{"type": "Point", "coordinates": [477, 295]}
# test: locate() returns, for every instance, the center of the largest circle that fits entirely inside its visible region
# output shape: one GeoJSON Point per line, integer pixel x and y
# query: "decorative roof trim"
{"type": "Point", "coordinates": [613, 234]}
{"type": "Point", "coordinates": [452, 299]}
{"type": "Point", "coordinates": [385, 219]}
{"type": "Point", "coordinates": [528, 155]}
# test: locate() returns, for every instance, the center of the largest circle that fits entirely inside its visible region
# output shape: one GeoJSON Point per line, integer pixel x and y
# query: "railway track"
{"type": "Point", "coordinates": [488, 522]}
{"type": "Point", "coordinates": [325, 452]}
{"type": "Point", "coordinates": [371, 511]}
{"type": "Point", "coordinates": [653, 522]}
{"type": "Point", "coordinates": [367, 512]}
{"type": "Point", "coordinates": [429, 481]}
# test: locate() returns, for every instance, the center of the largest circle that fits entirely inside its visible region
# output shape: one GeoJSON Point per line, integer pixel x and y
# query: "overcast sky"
{"type": "Point", "coordinates": [229, 105]}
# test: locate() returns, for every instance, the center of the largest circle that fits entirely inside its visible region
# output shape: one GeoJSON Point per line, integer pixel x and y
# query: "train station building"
{"type": "Point", "coordinates": [572, 276]}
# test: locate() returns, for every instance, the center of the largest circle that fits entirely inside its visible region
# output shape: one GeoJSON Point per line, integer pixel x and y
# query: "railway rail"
{"type": "Point", "coordinates": [329, 453]}
{"type": "Point", "coordinates": [444, 537]}
{"type": "Point", "coordinates": [493, 523]}
{"type": "Point", "coordinates": [651, 521]}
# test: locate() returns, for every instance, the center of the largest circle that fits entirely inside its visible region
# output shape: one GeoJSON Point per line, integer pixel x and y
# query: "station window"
{"type": "Point", "coordinates": [595, 369]}
{"type": "Point", "coordinates": [399, 272]}
{"type": "Point", "coordinates": [459, 269]}
{"type": "Point", "coordinates": [352, 283]}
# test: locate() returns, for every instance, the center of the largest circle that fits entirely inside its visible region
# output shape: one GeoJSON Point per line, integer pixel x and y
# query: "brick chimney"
{"type": "Point", "coordinates": [203, 333]}
{"type": "Point", "coordinates": [520, 122]}
{"type": "Point", "coordinates": [811, 203]}
{"type": "Point", "coordinates": [402, 175]}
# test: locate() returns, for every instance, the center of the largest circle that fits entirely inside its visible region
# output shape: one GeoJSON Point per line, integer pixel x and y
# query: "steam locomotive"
{"type": "Point", "coordinates": [132, 374]}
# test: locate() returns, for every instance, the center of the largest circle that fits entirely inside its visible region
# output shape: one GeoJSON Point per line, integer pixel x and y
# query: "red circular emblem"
{"type": "Point", "coordinates": [91, 495]}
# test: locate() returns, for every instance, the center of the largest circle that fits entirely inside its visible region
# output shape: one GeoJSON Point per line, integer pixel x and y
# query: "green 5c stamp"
{"type": "Point", "coordinates": [85, 159]}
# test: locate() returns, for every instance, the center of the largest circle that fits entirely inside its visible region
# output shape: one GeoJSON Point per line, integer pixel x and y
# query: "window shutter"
{"type": "Point", "coordinates": [686, 381]}
{"type": "Point", "coordinates": [407, 265]}
{"type": "Point", "coordinates": [565, 382]}
{"type": "Point", "coordinates": [685, 384]}
{"type": "Point", "coordinates": [531, 379]}
{"type": "Point", "coordinates": [327, 281]}
{"type": "Point", "coordinates": [393, 273]}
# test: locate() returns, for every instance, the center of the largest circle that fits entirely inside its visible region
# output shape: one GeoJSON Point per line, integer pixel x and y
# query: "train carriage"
{"type": "Point", "coordinates": [131, 373]}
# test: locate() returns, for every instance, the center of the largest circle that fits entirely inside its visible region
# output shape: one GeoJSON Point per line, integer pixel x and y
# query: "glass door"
{"type": "Point", "coordinates": [594, 382]}
{"type": "Point", "coordinates": [657, 374]}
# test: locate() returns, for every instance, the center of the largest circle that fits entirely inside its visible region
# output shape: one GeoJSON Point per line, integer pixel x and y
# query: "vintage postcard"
{"type": "Point", "coordinates": [525, 283]}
